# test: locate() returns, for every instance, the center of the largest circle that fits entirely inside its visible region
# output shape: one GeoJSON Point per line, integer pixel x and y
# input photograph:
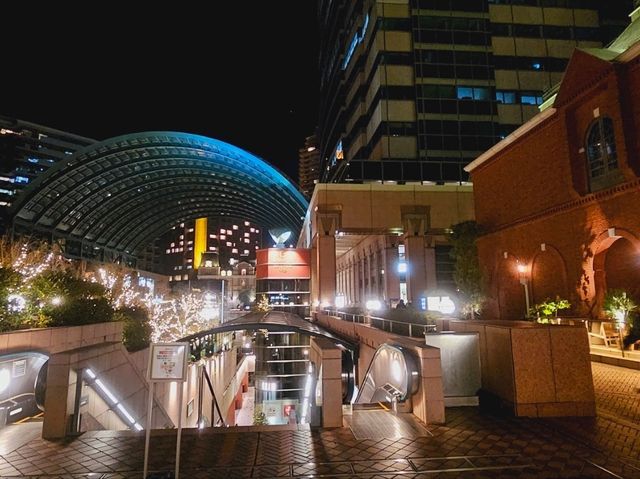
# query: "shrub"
{"type": "Point", "coordinates": [136, 334]}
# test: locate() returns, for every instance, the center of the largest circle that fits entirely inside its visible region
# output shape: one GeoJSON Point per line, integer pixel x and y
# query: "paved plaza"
{"type": "Point", "coordinates": [471, 445]}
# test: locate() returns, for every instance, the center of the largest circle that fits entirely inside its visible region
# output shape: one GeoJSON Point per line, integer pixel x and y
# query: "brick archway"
{"type": "Point", "coordinates": [548, 275]}
{"type": "Point", "coordinates": [615, 265]}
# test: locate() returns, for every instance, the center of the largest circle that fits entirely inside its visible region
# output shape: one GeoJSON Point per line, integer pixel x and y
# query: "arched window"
{"type": "Point", "coordinates": [602, 157]}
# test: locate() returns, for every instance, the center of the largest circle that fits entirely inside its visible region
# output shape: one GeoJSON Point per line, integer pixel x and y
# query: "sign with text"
{"type": "Point", "coordinates": [168, 362]}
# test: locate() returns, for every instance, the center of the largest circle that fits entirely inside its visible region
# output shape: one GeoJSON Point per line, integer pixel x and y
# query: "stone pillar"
{"type": "Point", "coordinates": [326, 257]}
{"type": "Point", "coordinates": [315, 295]}
{"type": "Point", "coordinates": [57, 397]}
{"type": "Point", "coordinates": [415, 220]}
{"type": "Point", "coordinates": [391, 284]}
{"type": "Point", "coordinates": [430, 266]}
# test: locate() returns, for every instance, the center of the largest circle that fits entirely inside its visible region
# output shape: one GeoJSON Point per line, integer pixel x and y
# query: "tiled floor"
{"type": "Point", "coordinates": [470, 445]}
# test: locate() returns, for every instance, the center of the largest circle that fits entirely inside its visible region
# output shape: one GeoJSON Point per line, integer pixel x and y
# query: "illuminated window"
{"type": "Point", "coordinates": [247, 240]}
{"type": "Point", "coordinates": [228, 243]}
{"type": "Point", "coordinates": [190, 260]}
{"type": "Point", "coordinates": [188, 242]}
{"type": "Point", "coordinates": [190, 230]}
{"type": "Point", "coordinates": [257, 231]}
{"type": "Point", "coordinates": [186, 276]}
{"type": "Point", "coordinates": [168, 250]}
{"type": "Point", "coordinates": [181, 225]}
{"type": "Point", "coordinates": [212, 236]}
{"type": "Point", "coordinates": [246, 251]}
{"type": "Point", "coordinates": [229, 232]}
{"type": "Point", "coordinates": [234, 250]}
{"type": "Point", "coordinates": [182, 237]}
{"type": "Point", "coordinates": [212, 248]}
{"type": "Point", "coordinates": [246, 223]}
{"type": "Point", "coordinates": [246, 235]}
{"type": "Point", "coordinates": [235, 227]}
{"type": "Point", "coordinates": [222, 231]}
{"type": "Point", "coordinates": [253, 230]}
{"type": "Point", "coordinates": [223, 237]}
{"type": "Point", "coordinates": [243, 272]}
{"type": "Point", "coordinates": [173, 245]}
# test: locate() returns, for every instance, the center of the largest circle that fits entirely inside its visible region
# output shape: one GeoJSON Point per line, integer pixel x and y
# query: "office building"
{"type": "Point", "coordinates": [188, 245]}
{"type": "Point", "coordinates": [414, 90]}
{"type": "Point", "coordinates": [308, 166]}
{"type": "Point", "coordinates": [26, 150]}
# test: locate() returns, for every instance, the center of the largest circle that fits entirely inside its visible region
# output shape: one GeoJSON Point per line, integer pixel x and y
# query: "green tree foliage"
{"type": "Point", "coordinates": [548, 310]}
{"type": "Point", "coordinates": [466, 266]}
{"type": "Point", "coordinates": [136, 334]}
{"type": "Point", "coordinates": [244, 296]}
{"type": "Point", "coordinates": [618, 306]}
{"type": "Point", "coordinates": [259, 418]}
{"type": "Point", "coordinates": [263, 304]}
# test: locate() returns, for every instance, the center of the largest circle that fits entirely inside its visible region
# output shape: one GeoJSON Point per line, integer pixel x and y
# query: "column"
{"type": "Point", "coordinates": [416, 268]}
{"type": "Point", "coordinates": [391, 284]}
{"type": "Point", "coordinates": [56, 400]}
{"type": "Point", "coordinates": [326, 257]}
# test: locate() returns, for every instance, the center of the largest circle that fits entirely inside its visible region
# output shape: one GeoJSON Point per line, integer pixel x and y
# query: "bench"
{"type": "Point", "coordinates": [607, 333]}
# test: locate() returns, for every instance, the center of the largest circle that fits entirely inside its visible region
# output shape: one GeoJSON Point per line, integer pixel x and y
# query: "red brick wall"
{"type": "Point", "coordinates": [535, 191]}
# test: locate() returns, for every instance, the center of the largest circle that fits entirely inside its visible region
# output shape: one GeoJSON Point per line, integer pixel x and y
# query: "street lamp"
{"type": "Point", "coordinates": [522, 271]}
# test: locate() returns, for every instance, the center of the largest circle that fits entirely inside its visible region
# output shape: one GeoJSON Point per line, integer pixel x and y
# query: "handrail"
{"type": "Point", "coordinates": [215, 405]}
{"type": "Point", "coordinates": [366, 319]}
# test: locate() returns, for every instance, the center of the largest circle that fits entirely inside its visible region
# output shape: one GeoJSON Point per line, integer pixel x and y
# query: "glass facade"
{"type": "Point", "coordinates": [429, 85]}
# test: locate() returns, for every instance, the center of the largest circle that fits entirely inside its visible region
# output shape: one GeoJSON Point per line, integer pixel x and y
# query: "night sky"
{"type": "Point", "coordinates": [245, 74]}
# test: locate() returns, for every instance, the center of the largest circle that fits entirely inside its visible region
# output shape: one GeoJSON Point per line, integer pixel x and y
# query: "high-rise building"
{"type": "Point", "coordinates": [308, 166]}
{"type": "Point", "coordinates": [413, 90]}
{"type": "Point", "coordinates": [26, 150]}
{"type": "Point", "coordinates": [185, 246]}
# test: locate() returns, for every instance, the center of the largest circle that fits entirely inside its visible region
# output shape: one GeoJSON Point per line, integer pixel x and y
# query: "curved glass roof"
{"type": "Point", "coordinates": [122, 193]}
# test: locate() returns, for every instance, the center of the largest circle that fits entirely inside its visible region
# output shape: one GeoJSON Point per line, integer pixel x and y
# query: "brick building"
{"type": "Point", "coordinates": [558, 199]}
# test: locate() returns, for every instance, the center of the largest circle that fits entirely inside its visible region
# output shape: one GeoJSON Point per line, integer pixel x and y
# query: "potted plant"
{"type": "Point", "coordinates": [547, 312]}
{"type": "Point", "coordinates": [618, 306]}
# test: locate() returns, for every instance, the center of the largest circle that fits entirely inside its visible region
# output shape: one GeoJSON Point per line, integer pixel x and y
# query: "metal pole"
{"type": "Point", "coordinates": [222, 304]}
{"type": "Point", "coordinates": [148, 432]}
{"type": "Point", "coordinates": [526, 297]}
{"type": "Point", "coordinates": [76, 402]}
{"type": "Point", "coordinates": [180, 396]}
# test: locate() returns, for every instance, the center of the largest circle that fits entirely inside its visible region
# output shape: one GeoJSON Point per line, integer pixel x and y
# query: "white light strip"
{"type": "Point", "coordinates": [126, 414]}
{"type": "Point", "coordinates": [106, 391]}
{"type": "Point", "coordinates": [15, 411]}
{"type": "Point", "coordinates": [113, 399]}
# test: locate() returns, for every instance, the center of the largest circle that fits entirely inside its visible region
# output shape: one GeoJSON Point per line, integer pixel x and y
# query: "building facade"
{"type": "Point", "coordinates": [413, 90]}
{"type": "Point", "coordinates": [557, 200]}
{"type": "Point", "coordinates": [308, 166]}
{"type": "Point", "coordinates": [27, 150]}
{"type": "Point", "coordinates": [184, 246]}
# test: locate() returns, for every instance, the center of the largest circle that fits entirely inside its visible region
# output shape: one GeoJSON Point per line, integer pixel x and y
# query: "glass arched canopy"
{"type": "Point", "coordinates": [122, 193]}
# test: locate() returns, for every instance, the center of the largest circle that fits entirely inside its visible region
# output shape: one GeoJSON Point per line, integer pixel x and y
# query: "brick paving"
{"type": "Point", "coordinates": [471, 445]}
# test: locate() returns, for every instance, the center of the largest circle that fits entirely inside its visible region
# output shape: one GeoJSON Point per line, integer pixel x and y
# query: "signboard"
{"type": "Point", "coordinates": [168, 362]}
{"type": "Point", "coordinates": [283, 263]}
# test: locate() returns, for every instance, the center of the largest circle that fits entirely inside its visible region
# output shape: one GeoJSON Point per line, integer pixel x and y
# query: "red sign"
{"type": "Point", "coordinates": [283, 263]}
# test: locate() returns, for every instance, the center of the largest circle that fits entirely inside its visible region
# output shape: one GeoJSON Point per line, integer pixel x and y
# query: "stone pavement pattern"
{"type": "Point", "coordinates": [471, 445]}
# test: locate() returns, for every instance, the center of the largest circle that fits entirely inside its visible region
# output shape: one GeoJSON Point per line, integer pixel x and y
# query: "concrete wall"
{"type": "Point", "coordinates": [536, 370]}
{"type": "Point", "coordinates": [65, 338]}
{"type": "Point", "coordinates": [428, 402]}
{"type": "Point", "coordinates": [327, 355]}
{"type": "Point", "coordinates": [226, 378]}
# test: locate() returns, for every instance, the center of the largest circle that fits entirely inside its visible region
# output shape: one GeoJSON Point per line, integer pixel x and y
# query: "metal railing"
{"type": "Point", "coordinates": [402, 328]}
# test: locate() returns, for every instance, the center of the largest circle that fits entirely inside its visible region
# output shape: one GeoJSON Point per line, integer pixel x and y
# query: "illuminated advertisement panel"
{"type": "Point", "coordinates": [283, 263]}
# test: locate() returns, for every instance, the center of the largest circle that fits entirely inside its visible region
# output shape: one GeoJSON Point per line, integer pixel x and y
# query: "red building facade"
{"type": "Point", "coordinates": [559, 199]}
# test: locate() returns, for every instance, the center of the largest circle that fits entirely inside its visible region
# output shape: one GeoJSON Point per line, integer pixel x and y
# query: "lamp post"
{"type": "Point", "coordinates": [522, 271]}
